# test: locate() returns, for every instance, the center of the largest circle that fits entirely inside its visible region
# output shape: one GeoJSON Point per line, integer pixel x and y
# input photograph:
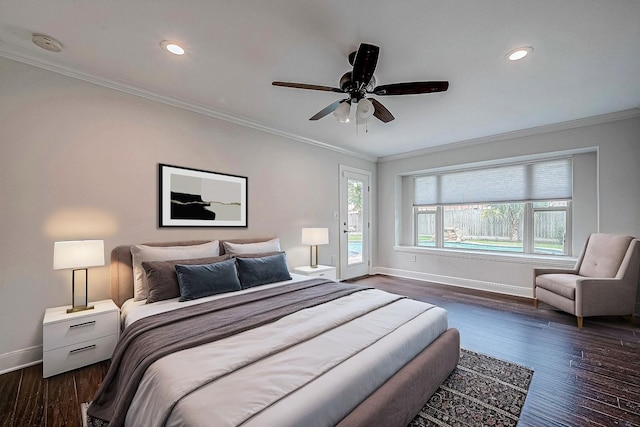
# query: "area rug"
{"type": "Point", "coordinates": [481, 391]}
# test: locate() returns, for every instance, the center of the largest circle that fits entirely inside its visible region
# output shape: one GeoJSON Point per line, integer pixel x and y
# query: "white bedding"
{"type": "Point", "coordinates": [347, 348]}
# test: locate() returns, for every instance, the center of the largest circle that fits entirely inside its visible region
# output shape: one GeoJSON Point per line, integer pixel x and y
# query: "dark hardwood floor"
{"type": "Point", "coordinates": [27, 399]}
{"type": "Point", "coordinates": [588, 377]}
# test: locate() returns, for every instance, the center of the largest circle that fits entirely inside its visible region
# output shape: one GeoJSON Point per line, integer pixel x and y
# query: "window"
{"type": "Point", "coordinates": [484, 227]}
{"type": "Point", "coordinates": [520, 207]}
{"type": "Point", "coordinates": [426, 225]}
{"type": "Point", "coordinates": [550, 227]}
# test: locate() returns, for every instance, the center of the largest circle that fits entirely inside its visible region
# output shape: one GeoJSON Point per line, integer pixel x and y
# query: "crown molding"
{"type": "Point", "coordinates": [571, 124]}
{"type": "Point", "coordinates": [22, 55]}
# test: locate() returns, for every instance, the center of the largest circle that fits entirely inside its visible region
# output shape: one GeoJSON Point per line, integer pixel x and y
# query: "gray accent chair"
{"type": "Point", "coordinates": [603, 282]}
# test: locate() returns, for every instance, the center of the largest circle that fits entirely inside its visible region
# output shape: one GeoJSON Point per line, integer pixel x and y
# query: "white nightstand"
{"type": "Point", "coordinates": [325, 271]}
{"type": "Point", "coordinates": [72, 340]}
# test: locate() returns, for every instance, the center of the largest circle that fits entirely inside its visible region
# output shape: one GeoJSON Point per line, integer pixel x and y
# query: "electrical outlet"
{"type": "Point", "coordinates": [336, 215]}
{"type": "Point", "coordinates": [412, 258]}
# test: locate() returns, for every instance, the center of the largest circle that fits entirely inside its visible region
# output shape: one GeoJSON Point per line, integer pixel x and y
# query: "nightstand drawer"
{"type": "Point", "coordinates": [324, 271]}
{"type": "Point", "coordinates": [76, 330]}
{"type": "Point", "coordinates": [77, 355]}
{"type": "Point", "coordinates": [329, 274]}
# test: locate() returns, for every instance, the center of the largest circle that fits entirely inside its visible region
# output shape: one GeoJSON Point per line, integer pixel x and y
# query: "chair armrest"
{"type": "Point", "coordinates": [601, 297]}
{"type": "Point", "coordinates": [541, 271]}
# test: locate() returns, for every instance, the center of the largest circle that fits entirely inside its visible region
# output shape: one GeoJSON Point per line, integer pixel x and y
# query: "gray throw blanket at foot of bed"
{"type": "Point", "coordinates": [151, 338]}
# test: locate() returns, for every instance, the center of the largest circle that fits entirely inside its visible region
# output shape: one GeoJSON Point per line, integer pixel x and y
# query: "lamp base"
{"type": "Point", "coordinates": [311, 263]}
{"type": "Point", "coordinates": [79, 308]}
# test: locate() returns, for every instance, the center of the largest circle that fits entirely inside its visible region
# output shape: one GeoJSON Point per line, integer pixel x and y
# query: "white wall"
{"type": "Point", "coordinates": [80, 161]}
{"type": "Point", "coordinates": [618, 210]}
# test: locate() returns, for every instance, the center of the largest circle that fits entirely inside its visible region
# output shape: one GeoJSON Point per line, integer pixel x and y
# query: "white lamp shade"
{"type": "Point", "coordinates": [315, 236]}
{"type": "Point", "coordinates": [342, 112]}
{"type": "Point", "coordinates": [365, 109]}
{"type": "Point", "coordinates": [78, 254]}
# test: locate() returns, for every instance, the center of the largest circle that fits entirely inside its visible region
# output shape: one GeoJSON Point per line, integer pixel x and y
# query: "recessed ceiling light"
{"type": "Point", "coordinates": [519, 53]}
{"type": "Point", "coordinates": [172, 47]}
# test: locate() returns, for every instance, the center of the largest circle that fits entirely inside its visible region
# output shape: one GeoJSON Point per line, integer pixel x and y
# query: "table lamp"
{"type": "Point", "coordinates": [78, 255]}
{"type": "Point", "coordinates": [314, 237]}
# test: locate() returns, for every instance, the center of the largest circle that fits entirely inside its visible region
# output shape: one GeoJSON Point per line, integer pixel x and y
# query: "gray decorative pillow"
{"type": "Point", "coordinates": [258, 255]}
{"type": "Point", "coordinates": [162, 279]}
{"type": "Point", "coordinates": [140, 253]}
{"type": "Point", "coordinates": [272, 245]}
{"type": "Point", "coordinates": [198, 281]}
{"type": "Point", "coordinates": [263, 270]}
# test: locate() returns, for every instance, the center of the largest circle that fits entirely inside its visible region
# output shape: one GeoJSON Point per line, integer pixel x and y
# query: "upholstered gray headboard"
{"type": "Point", "coordinates": [122, 265]}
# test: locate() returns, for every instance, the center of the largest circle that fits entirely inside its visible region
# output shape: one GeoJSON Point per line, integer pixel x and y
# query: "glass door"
{"type": "Point", "coordinates": [354, 223]}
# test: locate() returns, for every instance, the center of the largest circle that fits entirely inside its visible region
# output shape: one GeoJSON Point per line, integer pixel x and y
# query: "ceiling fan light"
{"type": "Point", "coordinates": [365, 109]}
{"type": "Point", "coordinates": [342, 112]}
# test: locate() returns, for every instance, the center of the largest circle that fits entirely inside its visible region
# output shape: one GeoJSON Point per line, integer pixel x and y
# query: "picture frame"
{"type": "Point", "coordinates": [198, 198]}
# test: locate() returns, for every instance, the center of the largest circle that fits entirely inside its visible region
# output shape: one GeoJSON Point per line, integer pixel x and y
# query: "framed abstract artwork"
{"type": "Point", "coordinates": [197, 198]}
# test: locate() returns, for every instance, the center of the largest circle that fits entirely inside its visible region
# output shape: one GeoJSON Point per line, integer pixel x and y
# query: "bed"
{"type": "Point", "coordinates": [302, 351]}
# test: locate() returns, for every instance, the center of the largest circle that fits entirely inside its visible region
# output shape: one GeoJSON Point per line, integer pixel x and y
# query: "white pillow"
{"type": "Point", "coordinates": [142, 253]}
{"type": "Point", "coordinates": [232, 249]}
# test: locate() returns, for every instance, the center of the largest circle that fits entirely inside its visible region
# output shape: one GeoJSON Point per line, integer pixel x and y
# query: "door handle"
{"type": "Point", "coordinates": [345, 231]}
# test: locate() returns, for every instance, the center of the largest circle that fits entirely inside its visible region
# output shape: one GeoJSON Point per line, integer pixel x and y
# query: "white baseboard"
{"type": "Point", "coordinates": [500, 288]}
{"type": "Point", "coordinates": [19, 359]}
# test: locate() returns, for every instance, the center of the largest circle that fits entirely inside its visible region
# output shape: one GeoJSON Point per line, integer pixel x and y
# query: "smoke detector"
{"type": "Point", "coordinates": [46, 42]}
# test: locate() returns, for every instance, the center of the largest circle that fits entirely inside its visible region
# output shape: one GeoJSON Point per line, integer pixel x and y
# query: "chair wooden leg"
{"type": "Point", "coordinates": [579, 322]}
{"type": "Point", "coordinates": [631, 319]}
{"type": "Point", "coordinates": [535, 302]}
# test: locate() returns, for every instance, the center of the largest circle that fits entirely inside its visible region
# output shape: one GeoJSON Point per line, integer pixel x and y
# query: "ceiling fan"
{"type": "Point", "coordinates": [360, 82]}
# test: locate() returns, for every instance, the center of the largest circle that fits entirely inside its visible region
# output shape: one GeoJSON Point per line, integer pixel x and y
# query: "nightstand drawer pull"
{"type": "Point", "coordinates": [78, 350]}
{"type": "Point", "coordinates": [93, 322]}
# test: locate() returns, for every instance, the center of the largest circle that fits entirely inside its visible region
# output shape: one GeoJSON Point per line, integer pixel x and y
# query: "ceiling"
{"type": "Point", "coordinates": [586, 61]}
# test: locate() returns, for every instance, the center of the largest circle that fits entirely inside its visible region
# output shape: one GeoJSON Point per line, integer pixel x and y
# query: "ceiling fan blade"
{"type": "Point", "coordinates": [411, 88]}
{"type": "Point", "coordinates": [328, 109]}
{"type": "Point", "coordinates": [380, 111]}
{"type": "Point", "coordinates": [306, 86]}
{"type": "Point", "coordinates": [365, 64]}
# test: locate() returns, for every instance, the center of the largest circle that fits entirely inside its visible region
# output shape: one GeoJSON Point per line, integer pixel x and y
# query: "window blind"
{"type": "Point", "coordinates": [549, 179]}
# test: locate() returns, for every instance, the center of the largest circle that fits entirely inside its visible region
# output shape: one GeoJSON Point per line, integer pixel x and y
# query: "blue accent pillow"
{"type": "Point", "coordinates": [197, 281]}
{"type": "Point", "coordinates": [263, 270]}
